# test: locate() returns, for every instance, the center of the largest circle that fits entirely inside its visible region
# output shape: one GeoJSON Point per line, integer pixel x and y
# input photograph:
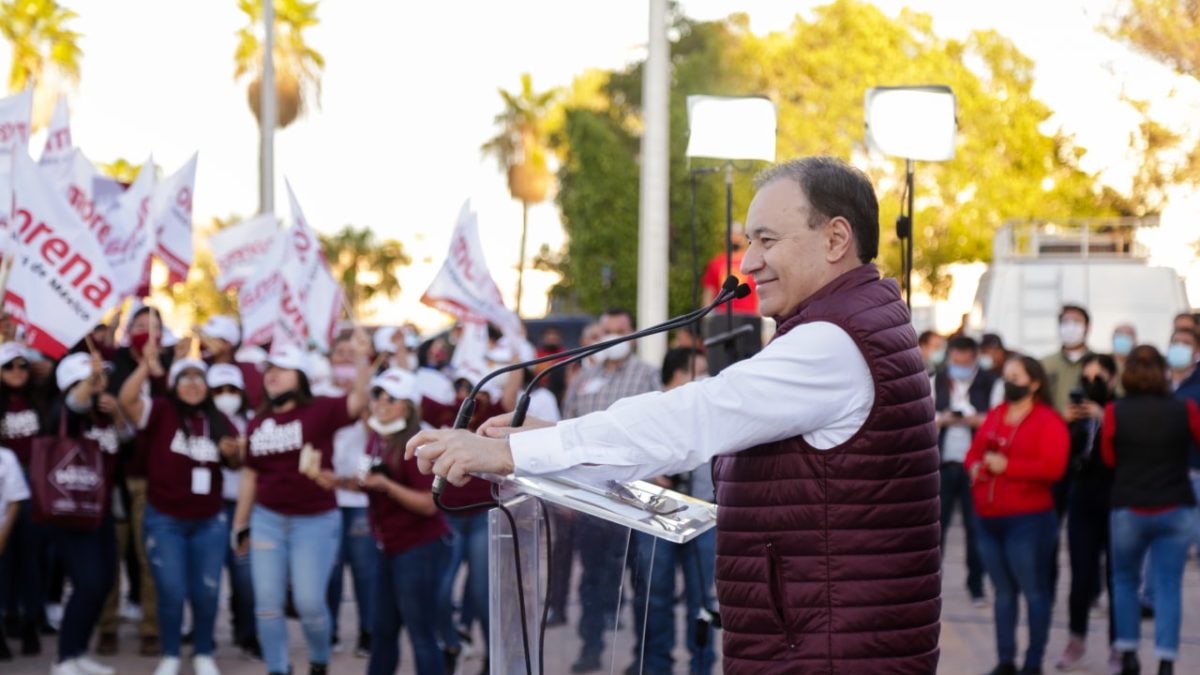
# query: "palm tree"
{"type": "Point", "coordinates": [297, 65]}
{"type": "Point", "coordinates": [43, 48]}
{"type": "Point", "coordinates": [520, 148]}
{"type": "Point", "coordinates": [363, 265]}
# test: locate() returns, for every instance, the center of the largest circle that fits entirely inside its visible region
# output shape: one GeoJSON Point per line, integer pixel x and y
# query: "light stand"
{"type": "Point", "coordinates": [914, 123]}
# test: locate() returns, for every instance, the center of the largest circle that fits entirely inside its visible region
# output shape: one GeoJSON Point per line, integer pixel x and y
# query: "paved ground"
{"type": "Point", "coordinates": [967, 643]}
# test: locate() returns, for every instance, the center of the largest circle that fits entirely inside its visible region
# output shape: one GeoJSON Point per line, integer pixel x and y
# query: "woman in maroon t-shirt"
{"type": "Point", "coordinates": [186, 440]}
{"type": "Point", "coordinates": [411, 532]}
{"type": "Point", "coordinates": [292, 522]}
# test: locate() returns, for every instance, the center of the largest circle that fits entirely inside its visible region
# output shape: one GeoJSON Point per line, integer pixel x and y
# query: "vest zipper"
{"type": "Point", "coordinates": [774, 593]}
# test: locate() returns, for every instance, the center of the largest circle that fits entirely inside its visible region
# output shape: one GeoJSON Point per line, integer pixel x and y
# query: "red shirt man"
{"type": "Point", "coordinates": [714, 276]}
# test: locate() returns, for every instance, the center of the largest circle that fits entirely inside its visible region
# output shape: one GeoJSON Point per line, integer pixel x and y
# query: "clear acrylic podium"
{"type": "Point", "coordinates": [606, 525]}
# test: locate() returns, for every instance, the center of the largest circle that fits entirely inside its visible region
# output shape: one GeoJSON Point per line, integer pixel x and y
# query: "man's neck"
{"type": "Point", "coordinates": [613, 366]}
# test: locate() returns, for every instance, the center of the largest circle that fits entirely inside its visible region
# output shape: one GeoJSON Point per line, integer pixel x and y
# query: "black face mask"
{"type": "Point", "coordinates": [282, 399]}
{"type": "Point", "coordinates": [1015, 392]}
{"type": "Point", "coordinates": [1096, 389]}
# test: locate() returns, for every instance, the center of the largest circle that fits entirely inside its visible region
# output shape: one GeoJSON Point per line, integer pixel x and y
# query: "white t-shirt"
{"type": "Point", "coordinates": [13, 487]}
{"type": "Point", "coordinates": [349, 447]}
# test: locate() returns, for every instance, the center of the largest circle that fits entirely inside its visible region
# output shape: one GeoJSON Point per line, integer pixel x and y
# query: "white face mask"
{"type": "Point", "coordinates": [229, 404]}
{"type": "Point", "coordinates": [1072, 333]}
{"type": "Point", "coordinates": [393, 427]}
{"type": "Point", "coordinates": [618, 352]}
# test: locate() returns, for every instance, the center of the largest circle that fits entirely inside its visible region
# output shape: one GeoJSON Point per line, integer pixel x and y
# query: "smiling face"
{"type": "Point", "coordinates": [190, 387]}
{"type": "Point", "coordinates": [278, 380]}
{"type": "Point", "coordinates": [15, 373]}
{"type": "Point", "coordinates": [788, 259]}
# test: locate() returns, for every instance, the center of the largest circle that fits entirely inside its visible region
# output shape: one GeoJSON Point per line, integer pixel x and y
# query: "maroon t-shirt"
{"type": "Point", "coordinates": [253, 378]}
{"type": "Point", "coordinates": [20, 425]}
{"type": "Point", "coordinates": [396, 528]}
{"type": "Point", "coordinates": [273, 451]}
{"type": "Point", "coordinates": [183, 471]}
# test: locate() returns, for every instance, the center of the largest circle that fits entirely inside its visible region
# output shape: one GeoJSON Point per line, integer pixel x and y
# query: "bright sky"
{"type": "Point", "coordinates": [410, 92]}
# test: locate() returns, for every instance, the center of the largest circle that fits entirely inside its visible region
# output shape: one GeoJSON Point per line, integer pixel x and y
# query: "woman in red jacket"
{"type": "Point", "coordinates": [1017, 455]}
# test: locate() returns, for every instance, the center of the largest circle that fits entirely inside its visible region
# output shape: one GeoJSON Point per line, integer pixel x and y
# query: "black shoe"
{"type": "Point", "coordinates": [5, 654]}
{"type": "Point", "coordinates": [1147, 612]}
{"type": "Point", "coordinates": [450, 656]}
{"type": "Point", "coordinates": [1004, 669]}
{"type": "Point", "coordinates": [47, 629]}
{"type": "Point", "coordinates": [1031, 670]}
{"type": "Point", "coordinates": [486, 669]}
{"type": "Point", "coordinates": [31, 642]}
{"type": "Point", "coordinates": [12, 624]}
{"type": "Point", "coordinates": [555, 618]}
{"type": "Point", "coordinates": [251, 650]}
{"type": "Point", "coordinates": [363, 649]}
{"type": "Point", "coordinates": [1166, 668]}
{"type": "Point", "coordinates": [318, 669]}
{"type": "Point", "coordinates": [588, 663]}
{"type": "Point", "coordinates": [1130, 664]}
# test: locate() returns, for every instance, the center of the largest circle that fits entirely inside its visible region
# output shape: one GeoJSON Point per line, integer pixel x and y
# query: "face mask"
{"type": "Point", "coordinates": [618, 352]}
{"type": "Point", "coordinates": [1015, 392]}
{"type": "Point", "coordinates": [138, 342]}
{"type": "Point", "coordinates": [345, 373]}
{"type": "Point", "coordinates": [1179, 356]}
{"type": "Point", "coordinates": [938, 357]}
{"type": "Point", "coordinates": [1096, 390]}
{"type": "Point", "coordinates": [282, 399]}
{"type": "Point", "coordinates": [1072, 333]}
{"type": "Point", "coordinates": [1122, 344]}
{"type": "Point", "coordinates": [961, 372]}
{"type": "Point", "coordinates": [229, 404]}
{"type": "Point", "coordinates": [393, 427]}
{"type": "Point", "coordinates": [985, 362]}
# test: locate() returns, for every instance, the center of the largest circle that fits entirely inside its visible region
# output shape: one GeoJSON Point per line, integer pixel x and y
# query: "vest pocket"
{"type": "Point", "coordinates": [775, 592]}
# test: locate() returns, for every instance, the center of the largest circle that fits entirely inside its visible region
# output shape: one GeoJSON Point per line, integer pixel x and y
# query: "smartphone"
{"type": "Point", "coordinates": [957, 413]}
{"type": "Point", "coordinates": [1076, 396]}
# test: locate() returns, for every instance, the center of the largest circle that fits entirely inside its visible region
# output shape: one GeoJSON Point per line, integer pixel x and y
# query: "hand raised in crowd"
{"type": "Point", "coordinates": [152, 358]}
{"type": "Point", "coordinates": [996, 463]}
{"type": "Point", "coordinates": [182, 347]}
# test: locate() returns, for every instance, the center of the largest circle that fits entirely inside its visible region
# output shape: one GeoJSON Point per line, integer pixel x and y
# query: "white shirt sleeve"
{"type": "Point", "coordinates": [812, 382]}
{"type": "Point", "coordinates": [12, 481]}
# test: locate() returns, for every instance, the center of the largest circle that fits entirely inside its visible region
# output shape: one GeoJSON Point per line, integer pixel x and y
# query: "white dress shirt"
{"type": "Point", "coordinates": [812, 382]}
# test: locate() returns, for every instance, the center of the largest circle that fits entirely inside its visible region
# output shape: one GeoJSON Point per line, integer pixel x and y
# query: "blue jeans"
{"type": "Point", "coordinates": [90, 558]}
{"type": "Point", "coordinates": [408, 596]}
{"type": "Point", "coordinates": [185, 558]}
{"type": "Point", "coordinates": [1018, 553]}
{"type": "Point", "coordinates": [357, 548]}
{"type": "Point", "coordinates": [697, 558]}
{"type": "Point", "coordinates": [470, 544]}
{"type": "Point", "coordinates": [956, 496]}
{"type": "Point", "coordinates": [241, 600]}
{"type": "Point", "coordinates": [299, 549]}
{"type": "Point", "coordinates": [21, 566]}
{"type": "Point", "coordinates": [603, 548]}
{"type": "Point", "coordinates": [1166, 535]}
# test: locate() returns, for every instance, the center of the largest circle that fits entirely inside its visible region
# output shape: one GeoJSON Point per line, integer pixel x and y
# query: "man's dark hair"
{"type": "Point", "coordinates": [833, 188]}
{"type": "Point", "coordinates": [1184, 331]}
{"type": "Point", "coordinates": [1087, 318]}
{"type": "Point", "coordinates": [962, 343]}
{"type": "Point", "coordinates": [1107, 364]}
{"type": "Point", "coordinates": [494, 333]}
{"type": "Point", "coordinates": [925, 336]}
{"type": "Point", "coordinates": [676, 360]}
{"type": "Point", "coordinates": [991, 341]}
{"type": "Point", "coordinates": [619, 311]}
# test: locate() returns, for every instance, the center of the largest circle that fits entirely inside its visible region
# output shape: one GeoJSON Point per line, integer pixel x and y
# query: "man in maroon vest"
{"type": "Point", "coordinates": [824, 447]}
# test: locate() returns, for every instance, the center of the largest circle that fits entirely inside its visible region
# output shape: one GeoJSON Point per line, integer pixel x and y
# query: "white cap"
{"type": "Point", "coordinates": [225, 375]}
{"type": "Point", "coordinates": [319, 371]}
{"type": "Point", "coordinates": [252, 354]}
{"type": "Point", "coordinates": [435, 385]}
{"type": "Point", "coordinates": [181, 365]}
{"type": "Point", "coordinates": [383, 340]}
{"type": "Point", "coordinates": [72, 370]}
{"type": "Point", "coordinates": [289, 357]}
{"type": "Point", "coordinates": [397, 383]}
{"type": "Point", "coordinates": [473, 374]}
{"type": "Point", "coordinates": [11, 351]}
{"type": "Point", "coordinates": [222, 327]}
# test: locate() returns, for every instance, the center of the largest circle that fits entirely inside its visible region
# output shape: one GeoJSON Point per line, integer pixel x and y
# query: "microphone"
{"type": "Point", "coordinates": [737, 292]}
{"type": "Point", "coordinates": [729, 290]}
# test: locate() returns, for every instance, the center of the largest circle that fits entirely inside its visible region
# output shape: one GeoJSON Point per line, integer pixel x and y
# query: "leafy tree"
{"type": "Point", "coordinates": [298, 65]}
{"type": "Point", "coordinates": [42, 46]}
{"type": "Point", "coordinates": [520, 148]}
{"type": "Point", "coordinates": [120, 170]}
{"type": "Point", "coordinates": [364, 264]}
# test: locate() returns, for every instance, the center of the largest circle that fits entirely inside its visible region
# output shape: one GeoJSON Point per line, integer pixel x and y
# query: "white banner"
{"type": "Point", "coordinates": [464, 286]}
{"type": "Point", "coordinates": [314, 289]}
{"type": "Point", "coordinates": [261, 295]}
{"type": "Point", "coordinates": [239, 249]}
{"type": "Point", "coordinates": [323, 308]}
{"type": "Point", "coordinates": [58, 137]}
{"type": "Point", "coordinates": [15, 112]}
{"type": "Point", "coordinates": [129, 249]}
{"type": "Point", "coordinates": [60, 285]}
{"type": "Point", "coordinates": [171, 215]}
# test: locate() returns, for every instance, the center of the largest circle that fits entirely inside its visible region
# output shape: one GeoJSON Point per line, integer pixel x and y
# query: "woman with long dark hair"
{"type": "Point", "coordinates": [1017, 455]}
{"type": "Point", "coordinates": [186, 440]}
{"type": "Point", "coordinates": [1145, 438]}
{"type": "Point", "coordinates": [288, 522]}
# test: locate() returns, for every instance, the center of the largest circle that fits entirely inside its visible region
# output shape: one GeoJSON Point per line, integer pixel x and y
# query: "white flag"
{"type": "Point", "coordinates": [129, 249]}
{"type": "Point", "coordinates": [260, 296]}
{"type": "Point", "coordinates": [60, 285]}
{"type": "Point", "coordinates": [310, 282]}
{"type": "Point", "coordinates": [239, 249]}
{"type": "Point", "coordinates": [464, 286]}
{"type": "Point", "coordinates": [15, 112]}
{"type": "Point", "coordinates": [58, 137]}
{"type": "Point", "coordinates": [171, 215]}
{"type": "Point", "coordinates": [323, 307]}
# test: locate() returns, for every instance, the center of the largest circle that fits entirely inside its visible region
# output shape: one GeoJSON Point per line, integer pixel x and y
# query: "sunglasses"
{"type": "Point", "coordinates": [18, 364]}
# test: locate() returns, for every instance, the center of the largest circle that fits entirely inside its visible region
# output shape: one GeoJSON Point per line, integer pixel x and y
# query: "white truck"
{"type": "Point", "coordinates": [1100, 264]}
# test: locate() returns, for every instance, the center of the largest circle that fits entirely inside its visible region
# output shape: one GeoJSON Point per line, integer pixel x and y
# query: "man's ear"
{"type": "Point", "coordinates": [839, 240]}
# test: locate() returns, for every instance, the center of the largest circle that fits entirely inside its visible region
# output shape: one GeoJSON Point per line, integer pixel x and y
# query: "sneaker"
{"type": "Point", "coordinates": [250, 650]}
{"type": "Point", "coordinates": [66, 668]}
{"type": "Point", "coordinates": [363, 649]}
{"type": "Point", "coordinates": [54, 614]}
{"type": "Point", "coordinates": [1114, 662]}
{"type": "Point", "coordinates": [168, 665]}
{"type": "Point", "coordinates": [318, 669]}
{"type": "Point", "coordinates": [337, 645]}
{"type": "Point", "coordinates": [107, 644]}
{"type": "Point", "coordinates": [1003, 669]}
{"type": "Point", "coordinates": [90, 667]}
{"type": "Point", "coordinates": [203, 664]}
{"type": "Point", "coordinates": [450, 656]}
{"type": "Point", "coordinates": [980, 602]}
{"type": "Point", "coordinates": [1072, 656]}
{"type": "Point", "coordinates": [1130, 664]}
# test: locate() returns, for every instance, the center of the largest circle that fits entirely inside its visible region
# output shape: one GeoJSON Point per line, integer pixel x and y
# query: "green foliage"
{"type": "Point", "coordinates": [40, 39]}
{"type": "Point", "coordinates": [298, 66]}
{"type": "Point", "coordinates": [199, 293]}
{"type": "Point", "coordinates": [364, 264]}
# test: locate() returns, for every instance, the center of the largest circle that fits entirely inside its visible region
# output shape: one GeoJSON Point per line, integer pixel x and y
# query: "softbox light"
{"type": "Point", "coordinates": [731, 128]}
{"type": "Point", "coordinates": [917, 123]}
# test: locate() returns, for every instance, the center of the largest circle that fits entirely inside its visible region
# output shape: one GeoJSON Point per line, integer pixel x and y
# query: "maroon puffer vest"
{"type": "Point", "coordinates": [827, 560]}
